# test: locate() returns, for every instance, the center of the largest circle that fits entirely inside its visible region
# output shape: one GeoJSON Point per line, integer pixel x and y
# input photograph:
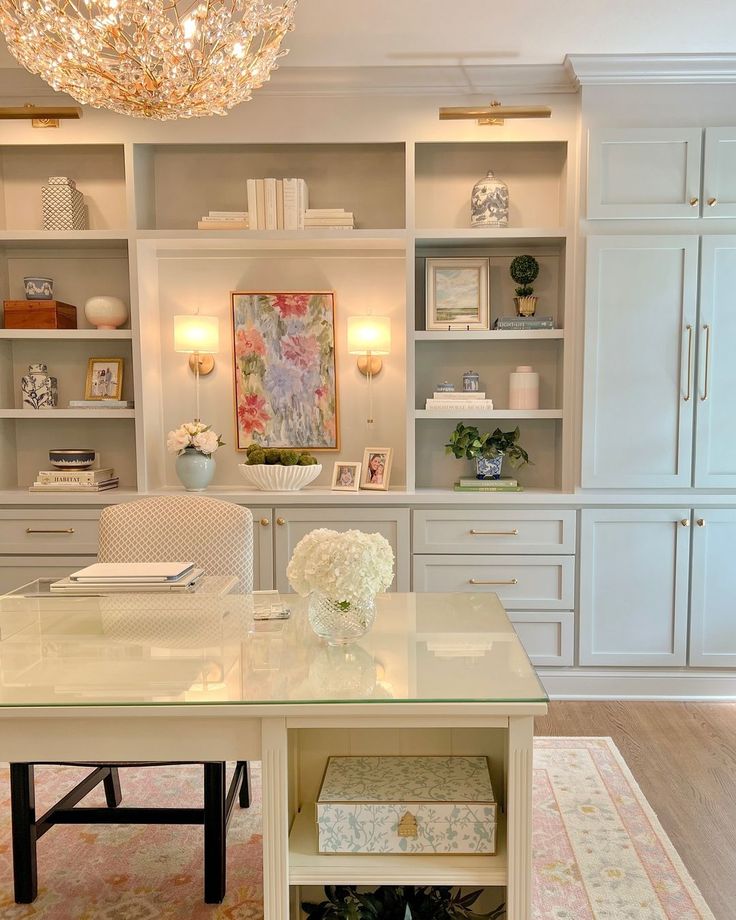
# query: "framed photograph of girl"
{"type": "Point", "coordinates": [104, 378]}
{"type": "Point", "coordinates": [376, 468]}
{"type": "Point", "coordinates": [346, 477]}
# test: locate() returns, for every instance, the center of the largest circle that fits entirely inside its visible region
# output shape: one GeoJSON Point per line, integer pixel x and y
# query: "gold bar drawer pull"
{"type": "Point", "coordinates": [58, 530]}
{"type": "Point", "coordinates": [482, 581]}
{"type": "Point", "coordinates": [495, 533]}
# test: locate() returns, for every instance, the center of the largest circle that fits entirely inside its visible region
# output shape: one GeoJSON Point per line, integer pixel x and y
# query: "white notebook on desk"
{"type": "Point", "coordinates": [139, 572]}
{"type": "Point", "coordinates": [101, 588]}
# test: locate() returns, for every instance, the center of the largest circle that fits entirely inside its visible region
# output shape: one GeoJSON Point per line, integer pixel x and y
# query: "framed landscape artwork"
{"type": "Point", "coordinates": [457, 294]}
{"type": "Point", "coordinates": [285, 380]}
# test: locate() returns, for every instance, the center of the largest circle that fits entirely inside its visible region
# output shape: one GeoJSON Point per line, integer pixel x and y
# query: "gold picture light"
{"type": "Point", "coordinates": [495, 113]}
{"type": "Point", "coordinates": [40, 116]}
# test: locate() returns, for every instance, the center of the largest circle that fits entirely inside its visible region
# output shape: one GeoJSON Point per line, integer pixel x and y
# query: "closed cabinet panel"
{"type": "Point", "coordinates": [49, 531]}
{"type": "Point", "coordinates": [494, 532]}
{"type": "Point", "coordinates": [547, 637]}
{"type": "Point", "coordinates": [713, 592]}
{"type": "Point", "coordinates": [16, 571]}
{"type": "Point", "coordinates": [262, 549]}
{"type": "Point", "coordinates": [719, 173]}
{"type": "Point", "coordinates": [715, 446]}
{"type": "Point", "coordinates": [522, 582]}
{"type": "Point", "coordinates": [291, 524]}
{"type": "Point", "coordinates": [634, 587]}
{"type": "Point", "coordinates": [639, 379]}
{"type": "Point", "coordinates": [644, 172]}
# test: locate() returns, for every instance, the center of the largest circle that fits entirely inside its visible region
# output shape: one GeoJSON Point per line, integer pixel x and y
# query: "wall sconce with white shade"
{"type": "Point", "coordinates": [197, 336]}
{"type": "Point", "coordinates": [369, 337]}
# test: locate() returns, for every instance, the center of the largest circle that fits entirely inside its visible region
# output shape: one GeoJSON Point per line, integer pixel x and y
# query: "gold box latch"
{"type": "Point", "coordinates": [408, 825]}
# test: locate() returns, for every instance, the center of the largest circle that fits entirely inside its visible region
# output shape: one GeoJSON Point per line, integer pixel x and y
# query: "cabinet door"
{"type": "Point", "coordinates": [712, 607]}
{"type": "Point", "coordinates": [293, 523]}
{"type": "Point", "coordinates": [644, 172]}
{"type": "Point", "coordinates": [715, 444]}
{"type": "Point", "coordinates": [641, 295]}
{"type": "Point", "coordinates": [719, 173]}
{"type": "Point", "coordinates": [16, 571]}
{"type": "Point", "coordinates": [262, 548]}
{"type": "Point", "coordinates": [634, 586]}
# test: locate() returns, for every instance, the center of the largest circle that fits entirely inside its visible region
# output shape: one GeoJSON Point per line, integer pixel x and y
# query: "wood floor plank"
{"type": "Point", "coordinates": [683, 755]}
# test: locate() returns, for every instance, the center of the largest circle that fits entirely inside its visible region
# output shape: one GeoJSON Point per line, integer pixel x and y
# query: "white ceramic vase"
{"type": "Point", "coordinates": [105, 311]}
{"type": "Point", "coordinates": [489, 203]}
{"type": "Point", "coordinates": [524, 388]}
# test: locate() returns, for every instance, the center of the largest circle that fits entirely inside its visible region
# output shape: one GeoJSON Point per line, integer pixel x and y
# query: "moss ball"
{"type": "Point", "coordinates": [307, 460]}
{"type": "Point", "coordinates": [251, 447]}
{"type": "Point", "coordinates": [289, 457]}
{"type": "Point", "coordinates": [273, 456]}
{"type": "Point", "coordinates": [256, 457]}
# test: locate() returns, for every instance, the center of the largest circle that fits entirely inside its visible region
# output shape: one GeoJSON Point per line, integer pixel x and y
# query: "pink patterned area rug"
{"type": "Point", "coordinates": [599, 850]}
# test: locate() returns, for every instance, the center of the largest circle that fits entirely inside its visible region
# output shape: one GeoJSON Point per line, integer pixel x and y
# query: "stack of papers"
{"type": "Point", "coordinates": [121, 577]}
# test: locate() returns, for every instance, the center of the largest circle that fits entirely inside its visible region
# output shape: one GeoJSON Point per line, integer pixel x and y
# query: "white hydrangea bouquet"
{"type": "Point", "coordinates": [342, 573]}
{"type": "Point", "coordinates": [195, 435]}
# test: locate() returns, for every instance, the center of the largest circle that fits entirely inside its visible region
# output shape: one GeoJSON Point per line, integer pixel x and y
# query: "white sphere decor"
{"type": "Point", "coordinates": [106, 311]}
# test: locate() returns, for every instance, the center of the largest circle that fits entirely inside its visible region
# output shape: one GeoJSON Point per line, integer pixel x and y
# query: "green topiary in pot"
{"type": "Point", "coordinates": [524, 271]}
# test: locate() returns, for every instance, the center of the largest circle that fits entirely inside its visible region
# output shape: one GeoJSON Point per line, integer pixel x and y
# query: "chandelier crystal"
{"type": "Point", "coordinates": [162, 59]}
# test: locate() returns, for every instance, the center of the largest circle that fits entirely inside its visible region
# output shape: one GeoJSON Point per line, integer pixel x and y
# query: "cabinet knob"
{"type": "Point", "coordinates": [265, 522]}
{"type": "Point", "coordinates": [685, 522]}
{"type": "Point", "coordinates": [694, 202]}
{"type": "Point", "coordinates": [700, 522]}
{"type": "Point", "coordinates": [281, 521]}
{"type": "Point", "coordinates": [711, 202]}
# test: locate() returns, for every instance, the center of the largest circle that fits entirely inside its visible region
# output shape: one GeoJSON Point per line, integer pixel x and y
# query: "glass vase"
{"type": "Point", "coordinates": [340, 622]}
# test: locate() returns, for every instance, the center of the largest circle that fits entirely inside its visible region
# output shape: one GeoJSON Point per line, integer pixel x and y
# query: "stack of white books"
{"type": "Point", "coordinates": [75, 481]}
{"type": "Point", "coordinates": [462, 402]}
{"type": "Point", "coordinates": [130, 577]}
{"type": "Point", "coordinates": [224, 220]}
{"type": "Point", "coordinates": [277, 204]}
{"type": "Point", "coordinates": [328, 219]}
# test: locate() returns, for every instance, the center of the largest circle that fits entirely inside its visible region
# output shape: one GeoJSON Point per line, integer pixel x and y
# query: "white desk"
{"type": "Point", "coordinates": [160, 677]}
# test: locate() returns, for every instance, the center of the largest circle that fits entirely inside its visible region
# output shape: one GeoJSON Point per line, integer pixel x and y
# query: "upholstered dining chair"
{"type": "Point", "coordinates": [218, 537]}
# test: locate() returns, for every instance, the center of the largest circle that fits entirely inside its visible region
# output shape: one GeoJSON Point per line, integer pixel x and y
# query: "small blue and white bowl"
{"type": "Point", "coordinates": [71, 458]}
{"type": "Point", "coordinates": [39, 288]}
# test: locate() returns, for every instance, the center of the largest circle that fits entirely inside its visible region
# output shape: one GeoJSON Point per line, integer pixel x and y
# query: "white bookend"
{"type": "Point", "coordinates": [252, 202]}
{"type": "Point", "coordinates": [303, 201]}
{"type": "Point", "coordinates": [291, 204]}
{"type": "Point", "coordinates": [279, 204]}
{"type": "Point", "coordinates": [261, 203]}
{"type": "Point", "coordinates": [269, 186]}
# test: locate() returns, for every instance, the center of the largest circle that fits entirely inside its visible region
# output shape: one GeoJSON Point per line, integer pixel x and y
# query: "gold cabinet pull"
{"type": "Point", "coordinates": [711, 202]}
{"type": "Point", "coordinates": [281, 521]}
{"type": "Point", "coordinates": [57, 530]}
{"type": "Point", "coordinates": [265, 522]}
{"type": "Point", "coordinates": [694, 202]}
{"type": "Point", "coordinates": [700, 522]}
{"type": "Point", "coordinates": [408, 825]}
{"type": "Point", "coordinates": [689, 330]}
{"type": "Point", "coordinates": [481, 581]}
{"type": "Point", "coordinates": [706, 329]}
{"type": "Point", "coordinates": [685, 522]}
{"type": "Point", "coordinates": [495, 533]}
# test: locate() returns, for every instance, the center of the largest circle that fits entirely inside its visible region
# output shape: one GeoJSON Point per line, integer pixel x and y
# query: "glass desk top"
{"type": "Point", "coordinates": [201, 649]}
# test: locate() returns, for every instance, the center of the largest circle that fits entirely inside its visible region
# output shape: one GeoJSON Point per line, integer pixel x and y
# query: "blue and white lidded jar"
{"type": "Point", "coordinates": [39, 390]}
{"type": "Point", "coordinates": [471, 382]}
{"type": "Point", "coordinates": [489, 203]}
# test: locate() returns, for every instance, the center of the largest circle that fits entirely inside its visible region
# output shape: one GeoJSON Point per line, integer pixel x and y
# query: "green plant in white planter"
{"type": "Point", "coordinates": [524, 270]}
{"type": "Point", "coordinates": [488, 450]}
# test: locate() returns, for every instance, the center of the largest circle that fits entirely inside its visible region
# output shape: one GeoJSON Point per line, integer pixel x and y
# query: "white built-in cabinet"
{"type": "Point", "coordinates": [713, 589]}
{"type": "Point", "coordinates": [636, 173]}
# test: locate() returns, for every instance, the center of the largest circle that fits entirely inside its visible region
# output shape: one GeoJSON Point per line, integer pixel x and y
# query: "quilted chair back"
{"type": "Point", "coordinates": [216, 536]}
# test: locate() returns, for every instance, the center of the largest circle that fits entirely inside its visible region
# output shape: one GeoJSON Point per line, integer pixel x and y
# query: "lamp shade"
{"type": "Point", "coordinates": [193, 332]}
{"type": "Point", "coordinates": [369, 334]}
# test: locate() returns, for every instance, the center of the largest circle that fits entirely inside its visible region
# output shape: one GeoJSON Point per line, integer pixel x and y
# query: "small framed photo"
{"type": "Point", "coordinates": [458, 295]}
{"type": "Point", "coordinates": [346, 477]}
{"type": "Point", "coordinates": [376, 468]}
{"type": "Point", "coordinates": [104, 378]}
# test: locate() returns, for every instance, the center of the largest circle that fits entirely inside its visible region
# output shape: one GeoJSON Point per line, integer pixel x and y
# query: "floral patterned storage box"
{"type": "Point", "coordinates": [407, 805]}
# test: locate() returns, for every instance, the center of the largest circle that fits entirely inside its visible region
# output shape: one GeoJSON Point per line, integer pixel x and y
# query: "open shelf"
{"type": "Point", "coordinates": [490, 236]}
{"type": "Point", "coordinates": [500, 335]}
{"type": "Point", "coordinates": [493, 413]}
{"type": "Point", "coordinates": [275, 239]}
{"type": "Point", "coordinates": [46, 414]}
{"type": "Point", "coordinates": [308, 867]}
{"type": "Point", "coordinates": [88, 335]}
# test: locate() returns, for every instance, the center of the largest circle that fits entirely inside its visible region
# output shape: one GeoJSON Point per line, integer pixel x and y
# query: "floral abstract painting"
{"type": "Point", "coordinates": [285, 381]}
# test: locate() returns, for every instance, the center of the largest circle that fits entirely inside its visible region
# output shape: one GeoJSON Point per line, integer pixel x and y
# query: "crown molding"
{"type": "Point", "coordinates": [592, 69]}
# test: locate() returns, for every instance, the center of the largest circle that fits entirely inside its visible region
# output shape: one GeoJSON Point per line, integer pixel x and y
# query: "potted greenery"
{"type": "Point", "coordinates": [488, 449]}
{"type": "Point", "coordinates": [398, 903]}
{"type": "Point", "coordinates": [524, 271]}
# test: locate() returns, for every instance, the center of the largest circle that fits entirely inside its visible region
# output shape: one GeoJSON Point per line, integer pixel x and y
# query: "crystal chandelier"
{"type": "Point", "coordinates": [161, 59]}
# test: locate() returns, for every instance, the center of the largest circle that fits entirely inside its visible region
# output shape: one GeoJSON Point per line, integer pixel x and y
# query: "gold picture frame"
{"type": "Point", "coordinates": [376, 468]}
{"type": "Point", "coordinates": [104, 379]}
{"type": "Point", "coordinates": [457, 294]}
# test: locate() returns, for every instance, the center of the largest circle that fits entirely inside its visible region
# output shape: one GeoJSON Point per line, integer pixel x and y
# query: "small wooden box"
{"type": "Point", "coordinates": [39, 314]}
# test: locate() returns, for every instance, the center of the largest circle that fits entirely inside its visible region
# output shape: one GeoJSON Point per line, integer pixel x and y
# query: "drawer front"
{"type": "Point", "coordinates": [548, 637]}
{"type": "Point", "coordinates": [49, 532]}
{"type": "Point", "coordinates": [494, 532]}
{"type": "Point", "coordinates": [521, 582]}
{"type": "Point", "coordinates": [16, 571]}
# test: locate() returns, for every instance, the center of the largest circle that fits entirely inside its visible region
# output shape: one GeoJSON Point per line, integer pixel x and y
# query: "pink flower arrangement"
{"type": "Point", "coordinates": [252, 414]}
{"type": "Point", "coordinates": [302, 350]}
{"type": "Point", "coordinates": [291, 304]}
{"type": "Point", "coordinates": [248, 341]}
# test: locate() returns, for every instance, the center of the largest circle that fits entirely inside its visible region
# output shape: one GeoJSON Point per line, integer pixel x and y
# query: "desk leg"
{"type": "Point", "coordinates": [23, 809]}
{"type": "Point", "coordinates": [274, 757]}
{"type": "Point", "coordinates": [519, 817]}
{"type": "Point", "coordinates": [215, 831]}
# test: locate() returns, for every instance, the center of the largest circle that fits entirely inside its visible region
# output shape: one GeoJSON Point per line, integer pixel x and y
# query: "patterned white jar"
{"type": "Point", "coordinates": [524, 388]}
{"type": "Point", "coordinates": [40, 391]}
{"type": "Point", "coordinates": [489, 203]}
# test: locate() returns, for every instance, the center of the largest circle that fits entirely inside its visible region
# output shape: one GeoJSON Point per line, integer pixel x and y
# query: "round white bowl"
{"type": "Point", "coordinates": [278, 478]}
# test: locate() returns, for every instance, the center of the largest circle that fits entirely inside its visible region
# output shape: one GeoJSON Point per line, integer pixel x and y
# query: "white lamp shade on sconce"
{"type": "Point", "coordinates": [195, 333]}
{"type": "Point", "coordinates": [369, 335]}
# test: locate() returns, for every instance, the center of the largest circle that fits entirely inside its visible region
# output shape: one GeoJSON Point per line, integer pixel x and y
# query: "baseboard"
{"type": "Point", "coordinates": [588, 684]}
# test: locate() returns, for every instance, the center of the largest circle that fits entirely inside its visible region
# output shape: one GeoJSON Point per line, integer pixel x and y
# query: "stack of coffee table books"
{"type": "Point", "coordinates": [130, 578]}
{"type": "Point", "coordinates": [75, 481]}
